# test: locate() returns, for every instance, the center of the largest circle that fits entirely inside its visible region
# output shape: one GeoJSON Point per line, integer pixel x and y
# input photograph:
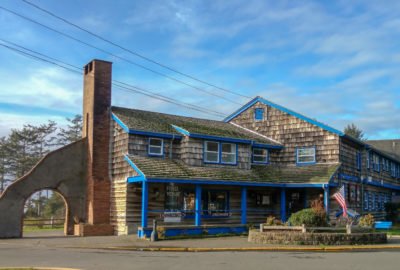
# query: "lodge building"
{"type": "Point", "coordinates": [197, 175]}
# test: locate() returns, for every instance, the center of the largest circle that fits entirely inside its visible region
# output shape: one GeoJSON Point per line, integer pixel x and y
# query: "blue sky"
{"type": "Point", "coordinates": [336, 61]}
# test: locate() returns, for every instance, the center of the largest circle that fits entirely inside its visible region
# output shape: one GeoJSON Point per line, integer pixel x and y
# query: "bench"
{"type": "Point", "coordinates": [383, 225]}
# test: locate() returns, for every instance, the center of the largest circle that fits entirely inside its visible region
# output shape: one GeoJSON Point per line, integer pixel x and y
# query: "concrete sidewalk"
{"type": "Point", "coordinates": [231, 243]}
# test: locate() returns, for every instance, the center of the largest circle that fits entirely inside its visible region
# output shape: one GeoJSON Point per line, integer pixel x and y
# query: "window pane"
{"type": "Point", "coordinates": [259, 114]}
{"type": "Point", "coordinates": [306, 159]}
{"type": "Point", "coordinates": [228, 148]}
{"type": "Point", "coordinates": [306, 151]}
{"type": "Point", "coordinates": [155, 142]}
{"type": "Point", "coordinates": [212, 146]}
{"type": "Point", "coordinates": [228, 158]}
{"type": "Point", "coordinates": [211, 156]}
{"type": "Point", "coordinates": [155, 150]}
{"type": "Point", "coordinates": [260, 152]}
{"type": "Point", "coordinates": [260, 158]}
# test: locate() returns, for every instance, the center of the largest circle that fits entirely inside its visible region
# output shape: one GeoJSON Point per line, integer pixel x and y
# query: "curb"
{"type": "Point", "coordinates": [288, 249]}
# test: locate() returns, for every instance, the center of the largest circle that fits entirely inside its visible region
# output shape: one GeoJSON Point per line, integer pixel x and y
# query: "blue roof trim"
{"type": "Point", "coordinates": [140, 177]}
{"type": "Point", "coordinates": [119, 122]}
{"type": "Point", "coordinates": [231, 183]}
{"type": "Point", "coordinates": [268, 146]}
{"type": "Point", "coordinates": [286, 110]}
{"type": "Point", "coordinates": [381, 184]}
{"type": "Point", "coordinates": [181, 130]}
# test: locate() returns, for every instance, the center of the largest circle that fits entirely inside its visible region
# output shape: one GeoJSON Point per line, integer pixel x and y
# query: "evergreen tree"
{"type": "Point", "coordinates": [73, 131]}
{"type": "Point", "coordinates": [353, 131]}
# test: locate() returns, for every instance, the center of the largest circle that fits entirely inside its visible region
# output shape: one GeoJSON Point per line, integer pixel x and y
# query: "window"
{"type": "Point", "coordinates": [216, 203]}
{"type": "Point", "coordinates": [156, 147]}
{"type": "Point", "coordinates": [305, 155]}
{"type": "Point", "coordinates": [211, 152]}
{"type": "Point", "coordinates": [260, 155]}
{"type": "Point", "coordinates": [258, 114]}
{"type": "Point", "coordinates": [393, 169]}
{"type": "Point", "coordinates": [358, 160]}
{"type": "Point", "coordinates": [369, 155]}
{"type": "Point", "coordinates": [375, 162]}
{"type": "Point", "coordinates": [224, 153]}
{"type": "Point", "coordinates": [366, 204]}
{"type": "Point", "coordinates": [228, 153]}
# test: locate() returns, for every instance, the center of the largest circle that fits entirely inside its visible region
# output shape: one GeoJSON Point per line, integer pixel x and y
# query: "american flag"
{"type": "Point", "coordinates": [340, 198]}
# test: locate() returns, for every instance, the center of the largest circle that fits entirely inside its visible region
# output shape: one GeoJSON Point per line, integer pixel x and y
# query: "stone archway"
{"type": "Point", "coordinates": [64, 171]}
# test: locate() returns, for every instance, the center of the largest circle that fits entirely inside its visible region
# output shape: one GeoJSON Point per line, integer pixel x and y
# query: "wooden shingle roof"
{"type": "Point", "coordinates": [176, 169]}
{"type": "Point", "coordinates": [162, 123]}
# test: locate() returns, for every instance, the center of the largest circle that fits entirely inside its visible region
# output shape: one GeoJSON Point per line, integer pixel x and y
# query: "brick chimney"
{"type": "Point", "coordinates": [96, 128]}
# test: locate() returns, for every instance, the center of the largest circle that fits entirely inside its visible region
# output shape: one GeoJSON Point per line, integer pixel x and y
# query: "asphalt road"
{"type": "Point", "coordinates": [14, 255]}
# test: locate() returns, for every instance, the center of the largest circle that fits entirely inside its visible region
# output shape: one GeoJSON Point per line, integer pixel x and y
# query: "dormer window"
{"type": "Point", "coordinates": [211, 152]}
{"type": "Point", "coordinates": [228, 151]}
{"type": "Point", "coordinates": [219, 152]}
{"type": "Point", "coordinates": [156, 147]}
{"type": "Point", "coordinates": [305, 155]}
{"type": "Point", "coordinates": [258, 114]}
{"type": "Point", "coordinates": [260, 156]}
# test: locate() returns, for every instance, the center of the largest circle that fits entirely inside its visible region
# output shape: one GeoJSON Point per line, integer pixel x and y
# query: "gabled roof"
{"type": "Point", "coordinates": [162, 123]}
{"type": "Point", "coordinates": [164, 168]}
{"type": "Point", "coordinates": [284, 109]}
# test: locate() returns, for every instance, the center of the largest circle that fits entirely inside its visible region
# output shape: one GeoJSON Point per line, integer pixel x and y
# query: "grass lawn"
{"type": "Point", "coordinates": [44, 228]}
{"type": "Point", "coordinates": [394, 231]}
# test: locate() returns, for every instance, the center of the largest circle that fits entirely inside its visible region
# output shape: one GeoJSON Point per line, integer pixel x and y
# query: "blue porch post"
{"type": "Point", "coordinates": [197, 215]}
{"type": "Point", "coordinates": [145, 199]}
{"type": "Point", "coordinates": [244, 205]}
{"type": "Point", "coordinates": [326, 199]}
{"type": "Point", "coordinates": [283, 204]}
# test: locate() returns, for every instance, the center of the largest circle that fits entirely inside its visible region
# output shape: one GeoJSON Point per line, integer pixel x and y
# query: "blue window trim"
{"type": "Point", "coordinates": [305, 163]}
{"type": "Point", "coordinates": [220, 154]}
{"type": "Point", "coordinates": [153, 154]}
{"type": "Point", "coordinates": [258, 162]}
{"type": "Point", "coordinates": [366, 201]}
{"type": "Point", "coordinates": [259, 114]}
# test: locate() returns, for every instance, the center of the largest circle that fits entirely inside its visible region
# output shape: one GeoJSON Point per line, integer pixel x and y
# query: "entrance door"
{"type": "Point", "coordinates": [295, 200]}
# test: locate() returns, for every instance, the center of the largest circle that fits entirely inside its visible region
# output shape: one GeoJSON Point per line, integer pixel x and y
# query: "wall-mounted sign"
{"type": "Point", "coordinates": [173, 217]}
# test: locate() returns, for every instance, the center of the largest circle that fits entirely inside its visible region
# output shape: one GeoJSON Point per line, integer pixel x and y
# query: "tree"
{"type": "Point", "coordinates": [4, 169]}
{"type": "Point", "coordinates": [353, 131]}
{"type": "Point", "coordinates": [72, 133]}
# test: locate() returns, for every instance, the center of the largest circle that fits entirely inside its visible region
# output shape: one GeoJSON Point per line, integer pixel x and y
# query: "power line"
{"type": "Point", "coordinates": [118, 84]}
{"type": "Point", "coordinates": [131, 51]}
{"type": "Point", "coordinates": [116, 56]}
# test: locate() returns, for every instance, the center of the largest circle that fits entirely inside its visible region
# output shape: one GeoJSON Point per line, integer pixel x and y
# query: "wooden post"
{"type": "Point", "coordinates": [326, 199]}
{"type": "Point", "coordinates": [197, 219]}
{"type": "Point", "coordinates": [244, 205]}
{"type": "Point", "coordinates": [283, 205]}
{"type": "Point", "coordinates": [145, 197]}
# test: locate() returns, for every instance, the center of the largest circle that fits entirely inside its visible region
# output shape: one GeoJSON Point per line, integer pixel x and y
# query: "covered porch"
{"type": "Point", "coordinates": [193, 200]}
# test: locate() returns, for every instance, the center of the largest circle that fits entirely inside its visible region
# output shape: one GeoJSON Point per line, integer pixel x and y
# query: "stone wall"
{"type": "Point", "coordinates": [298, 238]}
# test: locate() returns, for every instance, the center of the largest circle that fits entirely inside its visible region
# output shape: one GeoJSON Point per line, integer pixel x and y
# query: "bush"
{"type": "Point", "coordinates": [309, 217]}
{"type": "Point", "coordinates": [367, 221]}
{"type": "Point", "coordinates": [273, 221]}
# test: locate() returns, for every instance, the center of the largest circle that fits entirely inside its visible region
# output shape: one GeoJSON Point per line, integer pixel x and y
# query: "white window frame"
{"type": "Point", "coordinates": [207, 151]}
{"type": "Point", "coordinates": [256, 155]}
{"type": "Point", "coordinates": [298, 149]}
{"type": "Point", "coordinates": [234, 148]}
{"type": "Point", "coordinates": [161, 153]}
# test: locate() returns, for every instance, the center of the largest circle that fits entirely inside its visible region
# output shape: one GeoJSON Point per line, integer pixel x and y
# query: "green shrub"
{"type": "Point", "coordinates": [309, 217]}
{"type": "Point", "coordinates": [367, 221]}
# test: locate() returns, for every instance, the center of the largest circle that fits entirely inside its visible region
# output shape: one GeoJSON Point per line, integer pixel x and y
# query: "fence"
{"type": "Point", "coordinates": [52, 222]}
